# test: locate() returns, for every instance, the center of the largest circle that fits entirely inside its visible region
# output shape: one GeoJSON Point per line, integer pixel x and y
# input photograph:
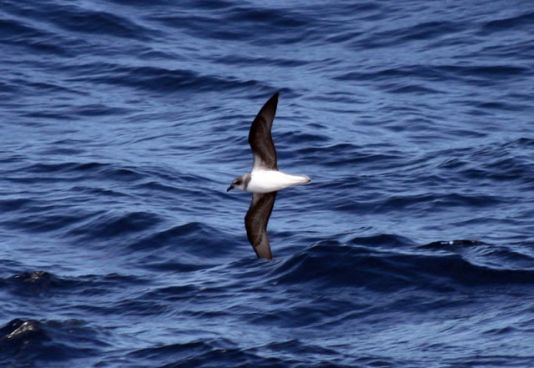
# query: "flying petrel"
{"type": "Point", "coordinates": [264, 180]}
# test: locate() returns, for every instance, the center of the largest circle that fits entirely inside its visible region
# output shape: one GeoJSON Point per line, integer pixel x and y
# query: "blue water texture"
{"type": "Point", "coordinates": [122, 122]}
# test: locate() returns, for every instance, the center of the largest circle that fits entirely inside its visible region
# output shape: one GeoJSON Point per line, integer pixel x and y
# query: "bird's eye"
{"type": "Point", "coordinates": [238, 182]}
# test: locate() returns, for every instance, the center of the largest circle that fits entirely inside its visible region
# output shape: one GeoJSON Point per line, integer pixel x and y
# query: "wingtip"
{"type": "Point", "coordinates": [264, 253]}
{"type": "Point", "coordinates": [274, 98]}
{"type": "Point", "coordinates": [263, 249]}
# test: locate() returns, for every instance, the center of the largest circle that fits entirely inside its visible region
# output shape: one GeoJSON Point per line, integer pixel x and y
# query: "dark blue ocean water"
{"type": "Point", "coordinates": [123, 122]}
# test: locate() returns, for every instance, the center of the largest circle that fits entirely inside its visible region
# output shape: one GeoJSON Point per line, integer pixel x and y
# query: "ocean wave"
{"type": "Point", "coordinates": [335, 265]}
{"type": "Point", "coordinates": [516, 22]}
{"type": "Point", "coordinates": [19, 34]}
{"type": "Point", "coordinates": [438, 72]}
{"type": "Point", "coordinates": [43, 284]}
{"type": "Point", "coordinates": [204, 352]}
{"type": "Point", "coordinates": [113, 225]}
{"type": "Point", "coordinates": [161, 79]}
{"type": "Point", "coordinates": [26, 341]}
{"type": "Point", "coordinates": [505, 161]}
{"type": "Point", "coordinates": [247, 19]}
{"type": "Point", "coordinates": [193, 239]}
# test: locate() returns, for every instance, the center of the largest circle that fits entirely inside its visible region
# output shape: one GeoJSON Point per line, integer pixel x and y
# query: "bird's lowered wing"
{"type": "Point", "coordinates": [260, 138]}
{"type": "Point", "coordinates": [256, 222]}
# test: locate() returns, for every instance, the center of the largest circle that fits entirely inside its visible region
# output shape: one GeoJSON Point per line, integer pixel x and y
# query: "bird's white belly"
{"type": "Point", "coordinates": [265, 181]}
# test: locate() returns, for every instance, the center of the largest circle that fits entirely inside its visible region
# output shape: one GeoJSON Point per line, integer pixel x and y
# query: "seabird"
{"type": "Point", "coordinates": [264, 180]}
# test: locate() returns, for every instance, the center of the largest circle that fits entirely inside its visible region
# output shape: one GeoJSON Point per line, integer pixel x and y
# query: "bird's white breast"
{"type": "Point", "coordinates": [265, 181]}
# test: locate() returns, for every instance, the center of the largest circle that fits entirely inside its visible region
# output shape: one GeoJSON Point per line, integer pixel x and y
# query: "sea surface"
{"type": "Point", "coordinates": [122, 122]}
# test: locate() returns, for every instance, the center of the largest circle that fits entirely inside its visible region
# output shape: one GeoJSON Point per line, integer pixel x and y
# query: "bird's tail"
{"type": "Point", "coordinates": [304, 179]}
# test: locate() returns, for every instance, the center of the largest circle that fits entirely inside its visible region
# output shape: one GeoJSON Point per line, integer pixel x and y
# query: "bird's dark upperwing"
{"type": "Point", "coordinates": [256, 222]}
{"type": "Point", "coordinates": [260, 138]}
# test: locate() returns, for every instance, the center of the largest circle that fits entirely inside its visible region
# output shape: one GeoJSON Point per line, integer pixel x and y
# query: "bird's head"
{"type": "Point", "coordinates": [240, 183]}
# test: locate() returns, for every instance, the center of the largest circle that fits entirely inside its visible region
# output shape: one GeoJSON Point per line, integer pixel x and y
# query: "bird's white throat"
{"type": "Point", "coordinates": [265, 181]}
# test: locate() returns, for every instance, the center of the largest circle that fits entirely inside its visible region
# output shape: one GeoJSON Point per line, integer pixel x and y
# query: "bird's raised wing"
{"type": "Point", "coordinates": [256, 222]}
{"type": "Point", "coordinates": [260, 138]}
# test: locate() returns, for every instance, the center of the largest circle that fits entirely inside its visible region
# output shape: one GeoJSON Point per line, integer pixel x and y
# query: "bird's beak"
{"type": "Point", "coordinates": [230, 187]}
